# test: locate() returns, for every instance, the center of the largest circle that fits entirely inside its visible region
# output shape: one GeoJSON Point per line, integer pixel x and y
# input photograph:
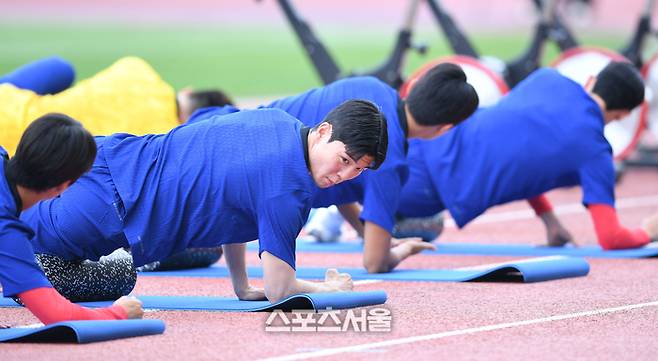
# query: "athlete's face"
{"type": "Point", "coordinates": [329, 161]}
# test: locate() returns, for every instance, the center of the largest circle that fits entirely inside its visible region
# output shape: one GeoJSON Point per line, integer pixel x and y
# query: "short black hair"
{"type": "Point", "coordinates": [209, 98]}
{"type": "Point", "coordinates": [362, 128]}
{"type": "Point", "coordinates": [53, 149]}
{"type": "Point", "coordinates": [620, 85]}
{"type": "Point", "coordinates": [442, 96]}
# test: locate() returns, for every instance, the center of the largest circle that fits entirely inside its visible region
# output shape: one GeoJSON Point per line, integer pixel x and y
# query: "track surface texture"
{"type": "Point", "coordinates": [609, 315]}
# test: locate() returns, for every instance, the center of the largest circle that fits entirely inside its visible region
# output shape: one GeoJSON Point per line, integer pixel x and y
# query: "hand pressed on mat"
{"type": "Point", "coordinates": [251, 293]}
{"type": "Point", "coordinates": [281, 280]}
{"type": "Point", "coordinates": [131, 305]}
{"type": "Point", "coordinates": [410, 246]}
{"type": "Point", "coordinates": [382, 253]}
{"type": "Point", "coordinates": [338, 281]}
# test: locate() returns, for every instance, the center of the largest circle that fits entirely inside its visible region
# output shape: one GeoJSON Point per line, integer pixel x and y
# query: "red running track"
{"type": "Point", "coordinates": [596, 318]}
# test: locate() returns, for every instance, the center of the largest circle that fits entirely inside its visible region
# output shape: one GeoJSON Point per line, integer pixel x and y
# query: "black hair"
{"type": "Point", "coordinates": [362, 127]}
{"type": "Point", "coordinates": [209, 98]}
{"type": "Point", "coordinates": [620, 86]}
{"type": "Point", "coordinates": [53, 149]}
{"type": "Point", "coordinates": [442, 96]}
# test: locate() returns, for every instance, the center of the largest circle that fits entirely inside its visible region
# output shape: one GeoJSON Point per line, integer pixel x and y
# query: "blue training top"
{"type": "Point", "coordinates": [229, 179]}
{"type": "Point", "coordinates": [378, 191]}
{"type": "Point", "coordinates": [19, 271]}
{"type": "Point", "coordinates": [546, 133]}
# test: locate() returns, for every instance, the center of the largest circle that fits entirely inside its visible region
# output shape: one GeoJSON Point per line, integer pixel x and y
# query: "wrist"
{"type": "Point", "coordinates": [241, 288]}
{"type": "Point", "coordinates": [548, 218]}
{"type": "Point", "coordinates": [119, 311]}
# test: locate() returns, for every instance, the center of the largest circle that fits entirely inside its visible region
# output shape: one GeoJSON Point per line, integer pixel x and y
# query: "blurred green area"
{"type": "Point", "coordinates": [245, 61]}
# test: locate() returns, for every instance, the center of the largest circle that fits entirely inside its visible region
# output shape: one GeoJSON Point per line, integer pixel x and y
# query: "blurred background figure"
{"type": "Point", "coordinates": [129, 96]}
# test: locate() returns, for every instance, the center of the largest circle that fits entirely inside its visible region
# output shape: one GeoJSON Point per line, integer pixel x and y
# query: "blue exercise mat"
{"type": "Point", "coordinates": [306, 301]}
{"type": "Point", "coordinates": [82, 331]}
{"type": "Point", "coordinates": [479, 249]}
{"type": "Point", "coordinates": [528, 270]}
{"type": "Point", "coordinates": [650, 250]}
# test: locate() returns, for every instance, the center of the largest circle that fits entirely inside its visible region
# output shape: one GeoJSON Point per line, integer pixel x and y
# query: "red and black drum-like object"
{"type": "Point", "coordinates": [580, 64]}
{"type": "Point", "coordinates": [650, 74]}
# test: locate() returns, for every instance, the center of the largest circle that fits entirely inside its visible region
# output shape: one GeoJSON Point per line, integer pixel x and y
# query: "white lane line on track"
{"type": "Point", "coordinates": [467, 331]}
{"type": "Point", "coordinates": [572, 208]}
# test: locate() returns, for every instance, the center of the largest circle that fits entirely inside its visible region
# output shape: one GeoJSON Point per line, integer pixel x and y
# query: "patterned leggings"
{"type": "Point", "coordinates": [107, 279]}
{"type": "Point", "coordinates": [115, 275]}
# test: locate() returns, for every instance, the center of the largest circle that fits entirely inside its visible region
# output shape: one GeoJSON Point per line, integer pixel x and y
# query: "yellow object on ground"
{"type": "Point", "coordinates": [127, 97]}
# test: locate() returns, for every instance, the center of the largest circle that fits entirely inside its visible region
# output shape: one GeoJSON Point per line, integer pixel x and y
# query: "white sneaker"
{"type": "Point", "coordinates": [325, 225]}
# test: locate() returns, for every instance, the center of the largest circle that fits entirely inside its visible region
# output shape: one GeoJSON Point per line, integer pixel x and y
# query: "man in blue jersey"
{"type": "Point", "coordinates": [225, 181]}
{"type": "Point", "coordinates": [545, 134]}
{"type": "Point", "coordinates": [53, 152]}
{"type": "Point", "coordinates": [439, 100]}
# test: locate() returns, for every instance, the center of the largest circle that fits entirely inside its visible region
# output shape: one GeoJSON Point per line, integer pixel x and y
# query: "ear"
{"type": "Point", "coordinates": [324, 130]}
{"type": "Point", "coordinates": [443, 129]}
{"type": "Point", "coordinates": [589, 84]}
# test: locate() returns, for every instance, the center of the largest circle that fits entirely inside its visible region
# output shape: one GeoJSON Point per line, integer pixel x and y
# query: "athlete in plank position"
{"type": "Point", "coordinates": [545, 134]}
{"type": "Point", "coordinates": [224, 181]}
